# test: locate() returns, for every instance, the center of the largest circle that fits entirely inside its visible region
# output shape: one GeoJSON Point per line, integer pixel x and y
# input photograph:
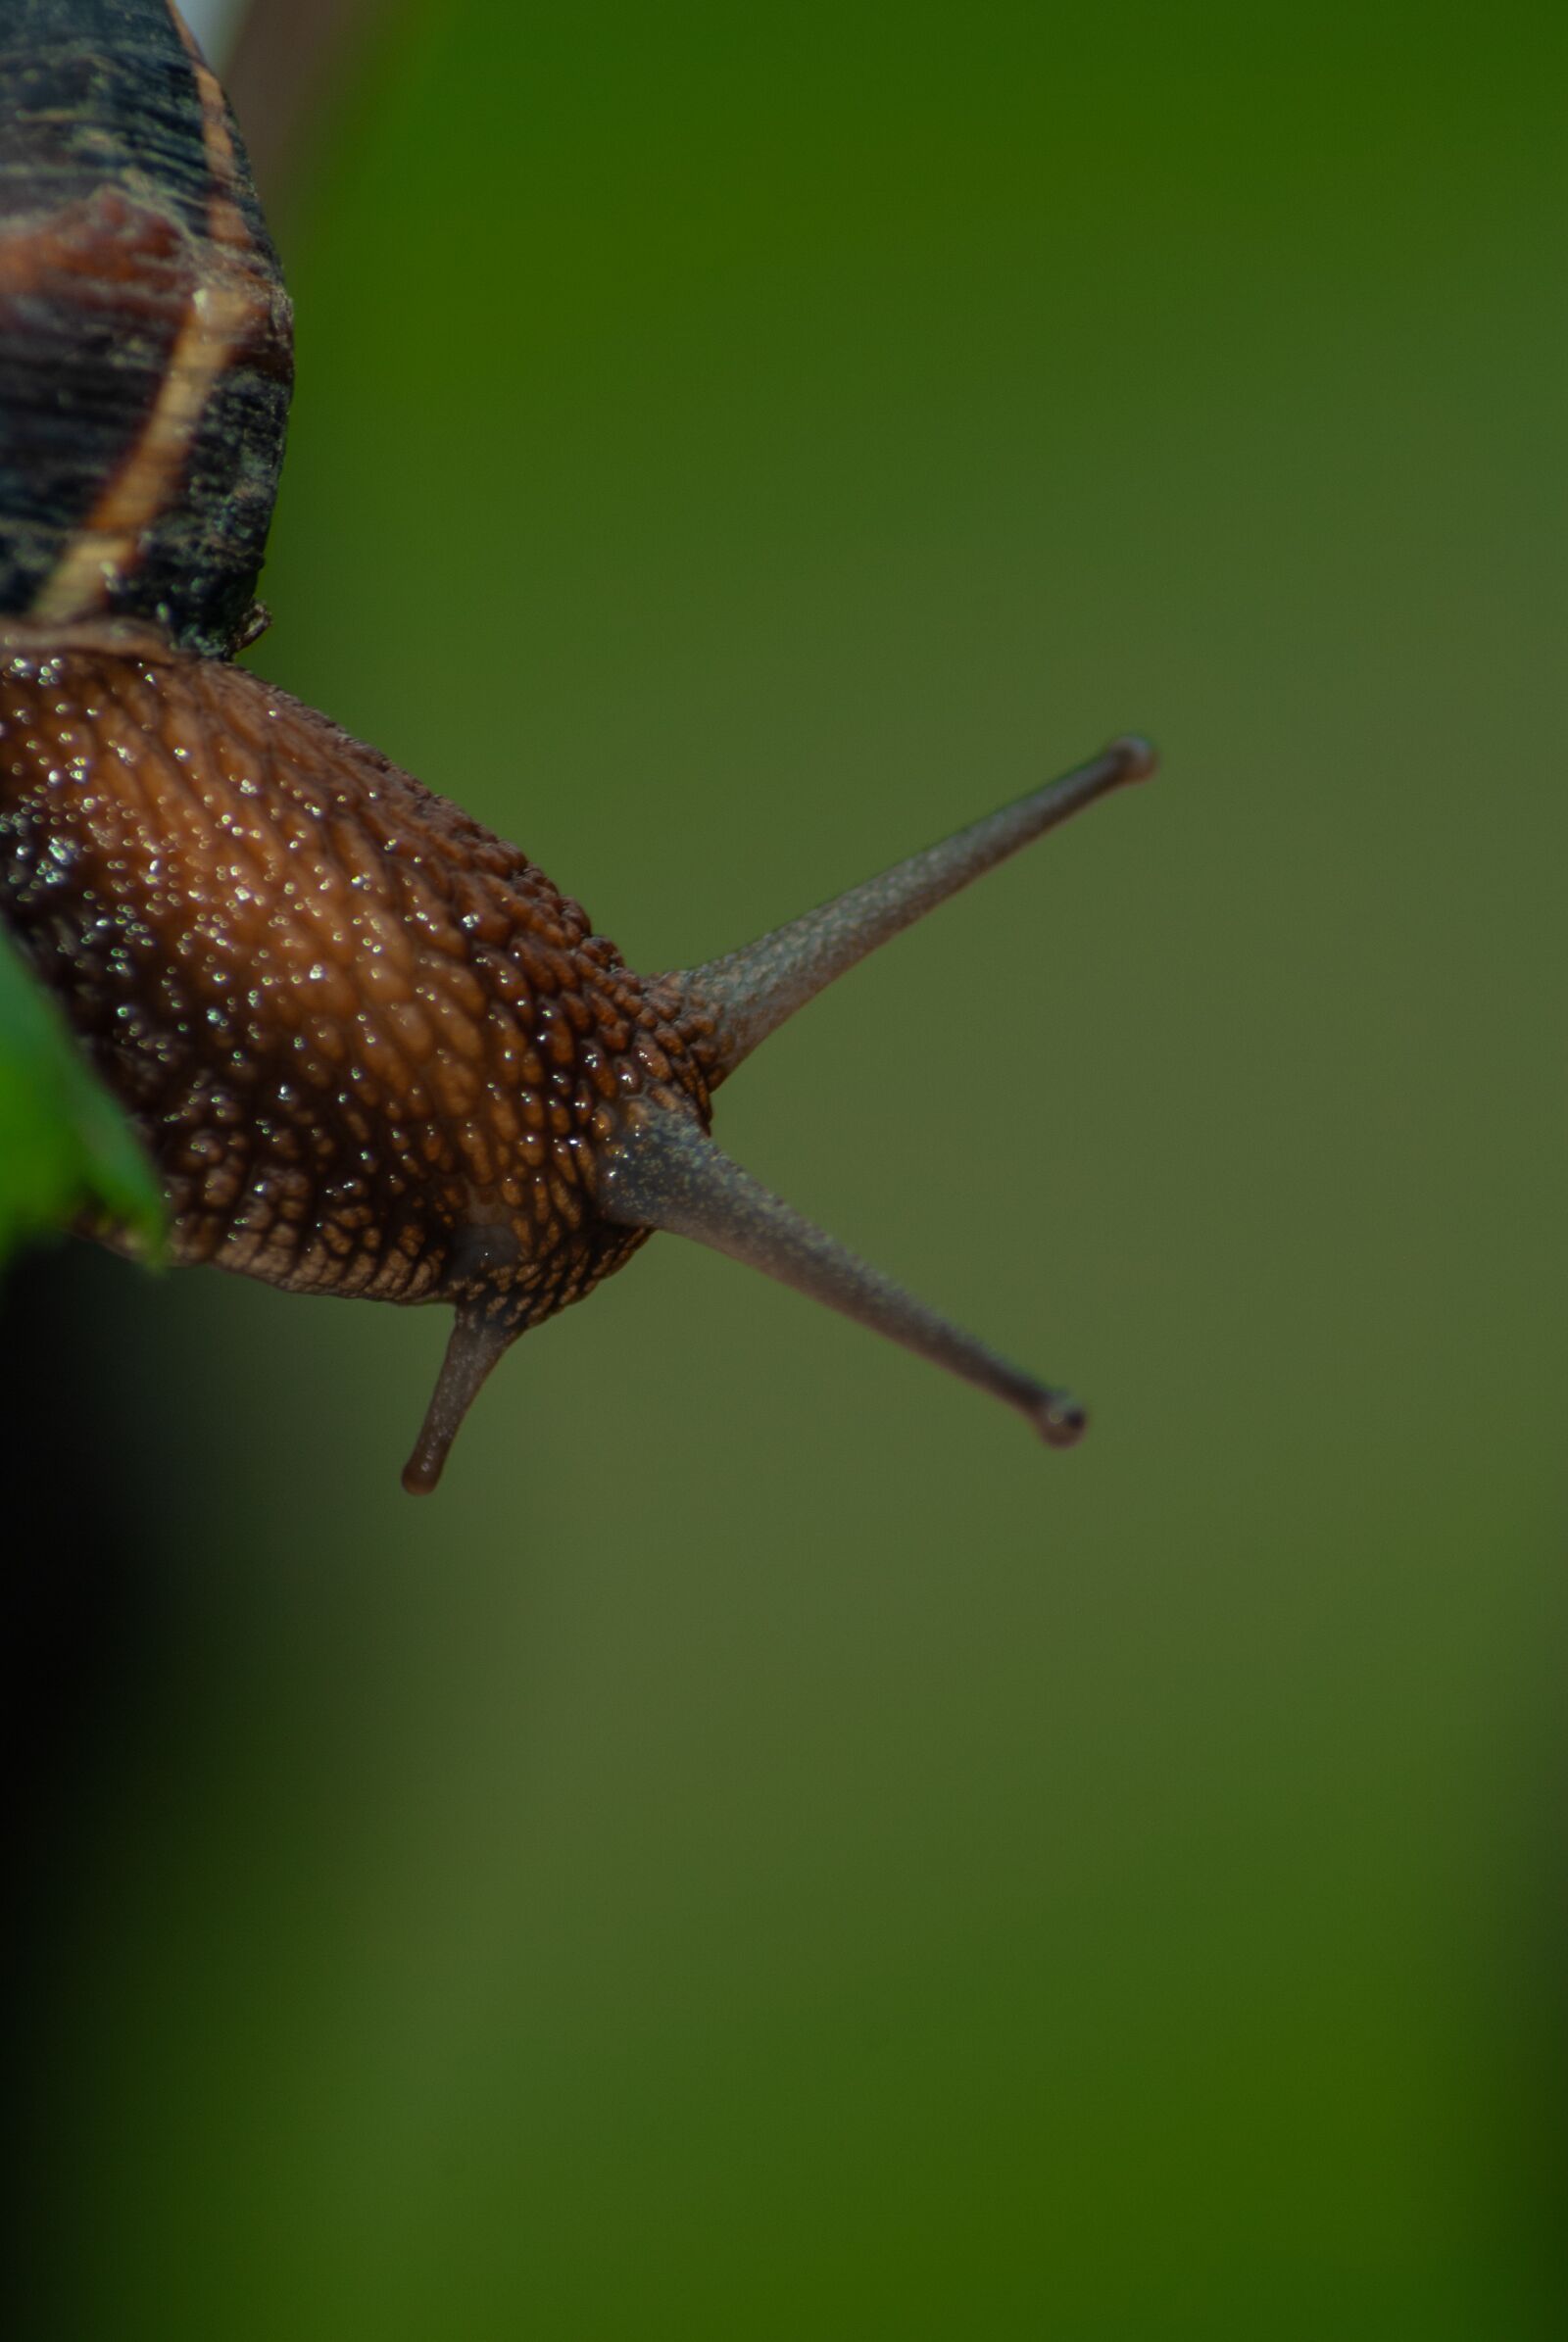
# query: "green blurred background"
{"type": "Point", "coordinates": [770, 1852]}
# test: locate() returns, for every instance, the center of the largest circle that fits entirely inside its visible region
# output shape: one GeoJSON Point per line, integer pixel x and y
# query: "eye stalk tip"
{"type": "Point", "coordinates": [420, 1474]}
{"type": "Point", "coordinates": [1060, 1418]}
{"type": "Point", "coordinates": [1138, 758]}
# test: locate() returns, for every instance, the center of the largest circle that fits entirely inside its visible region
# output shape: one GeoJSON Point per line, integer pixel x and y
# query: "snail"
{"type": "Point", "coordinates": [370, 1048]}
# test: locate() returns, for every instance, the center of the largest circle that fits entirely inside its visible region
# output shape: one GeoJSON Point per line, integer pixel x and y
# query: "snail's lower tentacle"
{"type": "Point", "coordinates": [478, 1341]}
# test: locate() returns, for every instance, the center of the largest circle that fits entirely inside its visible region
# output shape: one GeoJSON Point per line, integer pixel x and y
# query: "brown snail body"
{"type": "Point", "coordinates": [377, 1051]}
{"type": "Point", "coordinates": [372, 1048]}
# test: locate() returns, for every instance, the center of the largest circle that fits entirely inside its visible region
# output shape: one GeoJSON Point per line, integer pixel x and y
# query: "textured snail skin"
{"type": "Point", "coordinates": [372, 1048]}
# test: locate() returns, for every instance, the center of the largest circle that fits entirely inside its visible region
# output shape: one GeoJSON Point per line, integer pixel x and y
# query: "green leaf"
{"type": "Point", "coordinates": [64, 1146]}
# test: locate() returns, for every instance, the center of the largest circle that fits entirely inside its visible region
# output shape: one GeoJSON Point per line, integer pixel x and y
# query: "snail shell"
{"type": "Point", "coordinates": [146, 341]}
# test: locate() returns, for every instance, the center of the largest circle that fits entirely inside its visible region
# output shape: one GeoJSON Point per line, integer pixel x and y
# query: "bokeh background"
{"type": "Point", "coordinates": [769, 1852]}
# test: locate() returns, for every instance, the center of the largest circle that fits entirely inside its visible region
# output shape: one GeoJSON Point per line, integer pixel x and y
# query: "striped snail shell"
{"type": "Point", "coordinates": [146, 341]}
{"type": "Point", "coordinates": [372, 1050]}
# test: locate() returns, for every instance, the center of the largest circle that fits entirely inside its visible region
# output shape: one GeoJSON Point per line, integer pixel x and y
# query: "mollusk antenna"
{"type": "Point", "coordinates": [751, 991]}
{"type": "Point", "coordinates": [667, 1174]}
{"type": "Point", "coordinates": [477, 1344]}
{"type": "Point", "coordinates": [670, 1175]}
